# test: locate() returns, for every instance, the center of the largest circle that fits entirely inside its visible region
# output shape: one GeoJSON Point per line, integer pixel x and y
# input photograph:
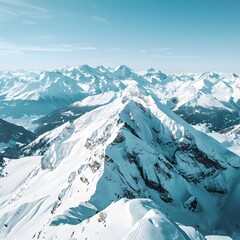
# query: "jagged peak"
{"type": "Point", "coordinates": [123, 69]}
{"type": "Point", "coordinates": [210, 75]}
{"type": "Point", "coordinates": [101, 68]}
{"type": "Point", "coordinates": [51, 74]}
{"type": "Point", "coordinates": [235, 75]}
{"type": "Point", "coordinates": [151, 70]}
{"type": "Point", "coordinates": [86, 68]}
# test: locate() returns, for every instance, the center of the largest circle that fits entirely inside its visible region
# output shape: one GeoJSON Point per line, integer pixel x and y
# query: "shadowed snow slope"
{"type": "Point", "coordinates": [132, 147]}
{"type": "Point", "coordinates": [11, 137]}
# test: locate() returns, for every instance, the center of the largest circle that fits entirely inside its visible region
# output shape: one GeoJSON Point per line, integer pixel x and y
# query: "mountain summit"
{"type": "Point", "coordinates": [133, 147]}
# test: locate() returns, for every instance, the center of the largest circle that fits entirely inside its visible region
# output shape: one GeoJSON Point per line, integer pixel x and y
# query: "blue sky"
{"type": "Point", "coordinates": [170, 35]}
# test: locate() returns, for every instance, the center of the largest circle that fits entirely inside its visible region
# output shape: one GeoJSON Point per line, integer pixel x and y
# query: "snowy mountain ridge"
{"type": "Point", "coordinates": [41, 101]}
{"type": "Point", "coordinates": [133, 147]}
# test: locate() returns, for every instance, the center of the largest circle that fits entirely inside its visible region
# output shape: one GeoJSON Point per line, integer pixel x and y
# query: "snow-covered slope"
{"type": "Point", "coordinates": [126, 220]}
{"type": "Point", "coordinates": [72, 112]}
{"type": "Point", "coordinates": [45, 85]}
{"type": "Point", "coordinates": [133, 147]}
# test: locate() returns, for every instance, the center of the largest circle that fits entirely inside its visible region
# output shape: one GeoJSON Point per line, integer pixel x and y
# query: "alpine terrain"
{"type": "Point", "coordinates": [93, 153]}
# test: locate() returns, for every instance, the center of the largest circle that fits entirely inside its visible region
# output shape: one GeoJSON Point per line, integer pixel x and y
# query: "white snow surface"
{"type": "Point", "coordinates": [134, 147]}
{"type": "Point", "coordinates": [97, 100]}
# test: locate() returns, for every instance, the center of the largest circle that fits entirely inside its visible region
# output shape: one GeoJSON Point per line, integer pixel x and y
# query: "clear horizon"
{"type": "Point", "coordinates": [171, 36]}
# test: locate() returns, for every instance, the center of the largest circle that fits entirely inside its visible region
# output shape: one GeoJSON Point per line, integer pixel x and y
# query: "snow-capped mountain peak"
{"type": "Point", "coordinates": [132, 147]}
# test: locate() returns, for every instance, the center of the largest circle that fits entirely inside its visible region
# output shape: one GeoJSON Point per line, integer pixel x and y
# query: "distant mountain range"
{"type": "Point", "coordinates": [193, 96]}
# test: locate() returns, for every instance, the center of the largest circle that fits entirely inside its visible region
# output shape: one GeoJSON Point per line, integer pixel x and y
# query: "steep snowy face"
{"type": "Point", "coordinates": [133, 147]}
{"type": "Point", "coordinates": [123, 72]}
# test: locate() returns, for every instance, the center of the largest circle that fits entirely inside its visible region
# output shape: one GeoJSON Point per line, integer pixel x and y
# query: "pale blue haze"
{"type": "Point", "coordinates": [171, 35]}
